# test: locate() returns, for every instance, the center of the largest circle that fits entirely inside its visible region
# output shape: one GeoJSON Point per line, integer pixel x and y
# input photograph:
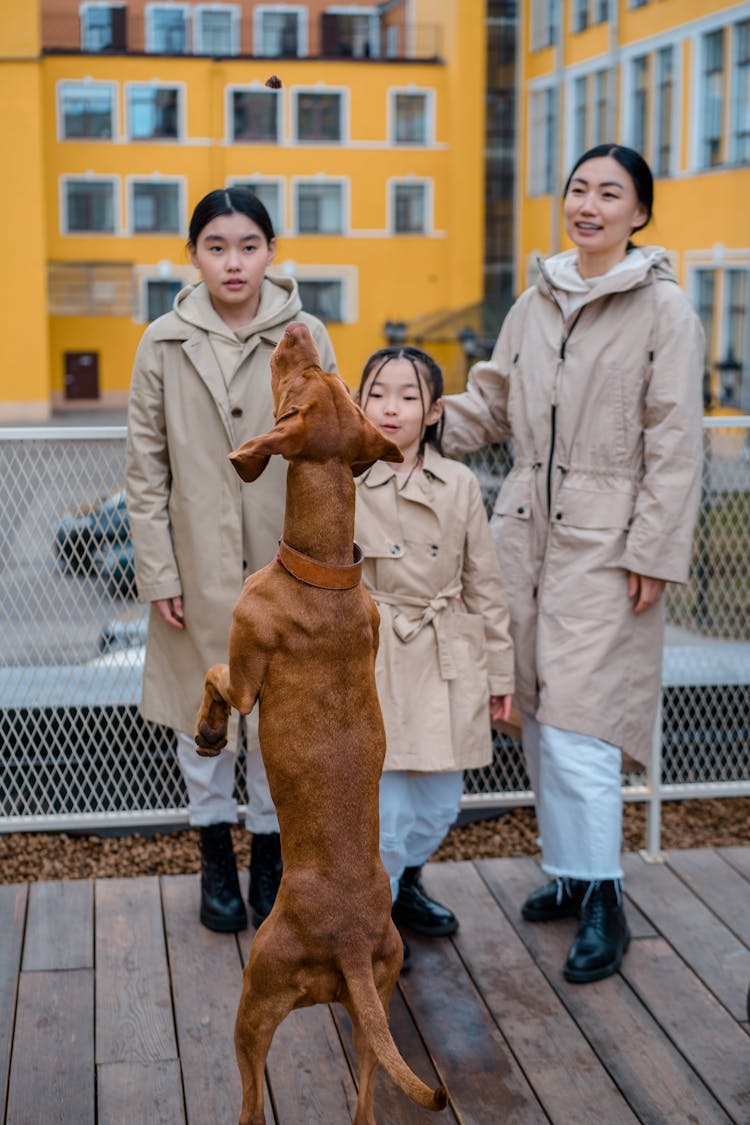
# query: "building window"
{"type": "Point", "coordinates": [153, 113]}
{"type": "Point", "coordinates": [166, 29]}
{"type": "Point", "coordinates": [319, 117]}
{"type": "Point", "coordinates": [255, 115]}
{"type": "Point", "coordinates": [580, 15]}
{"type": "Point", "coordinates": [269, 192]}
{"type": "Point", "coordinates": [280, 32]}
{"type": "Point", "coordinates": [216, 31]}
{"type": "Point", "coordinates": [663, 141]}
{"type": "Point", "coordinates": [103, 27]}
{"type": "Point", "coordinates": [639, 121]}
{"type": "Point", "coordinates": [86, 111]}
{"type": "Point", "coordinates": [604, 107]}
{"type": "Point", "coordinates": [712, 98]}
{"type": "Point", "coordinates": [155, 208]}
{"type": "Point", "coordinates": [705, 286]}
{"type": "Point", "coordinates": [545, 23]}
{"type": "Point", "coordinates": [89, 206]}
{"type": "Point", "coordinates": [351, 35]}
{"type": "Point", "coordinates": [323, 298]}
{"type": "Point", "coordinates": [410, 208]}
{"type": "Point", "coordinates": [160, 296]}
{"type": "Point", "coordinates": [579, 116]}
{"type": "Point", "coordinates": [741, 94]}
{"type": "Point", "coordinates": [543, 141]}
{"type": "Point", "coordinates": [320, 208]}
{"type": "Point", "coordinates": [410, 119]}
{"type": "Point", "coordinates": [737, 327]}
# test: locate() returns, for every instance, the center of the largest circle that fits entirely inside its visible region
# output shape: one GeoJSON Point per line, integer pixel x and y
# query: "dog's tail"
{"type": "Point", "coordinates": [374, 1023]}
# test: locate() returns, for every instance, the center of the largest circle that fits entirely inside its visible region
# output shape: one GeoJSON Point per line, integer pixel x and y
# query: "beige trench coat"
{"type": "Point", "coordinates": [197, 530]}
{"type": "Point", "coordinates": [604, 411]}
{"type": "Point", "coordinates": [439, 659]}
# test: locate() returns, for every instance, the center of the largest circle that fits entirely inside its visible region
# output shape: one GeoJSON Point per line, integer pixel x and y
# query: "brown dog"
{"type": "Point", "coordinates": [303, 642]}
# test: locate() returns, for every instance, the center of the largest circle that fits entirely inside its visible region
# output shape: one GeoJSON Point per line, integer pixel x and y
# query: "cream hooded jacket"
{"type": "Point", "coordinates": [599, 388]}
{"type": "Point", "coordinates": [198, 391]}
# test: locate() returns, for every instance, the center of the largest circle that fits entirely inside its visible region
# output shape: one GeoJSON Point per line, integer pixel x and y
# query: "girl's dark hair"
{"type": "Point", "coordinates": [634, 165]}
{"type": "Point", "coordinates": [227, 201]}
{"type": "Point", "coordinates": [425, 368]}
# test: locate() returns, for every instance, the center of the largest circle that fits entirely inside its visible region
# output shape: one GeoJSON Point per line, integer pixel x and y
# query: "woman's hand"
{"type": "Point", "coordinates": [500, 707]}
{"type": "Point", "coordinates": [644, 592]}
{"type": "Point", "coordinates": [170, 610]}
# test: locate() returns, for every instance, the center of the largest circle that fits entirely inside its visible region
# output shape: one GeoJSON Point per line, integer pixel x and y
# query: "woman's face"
{"type": "Point", "coordinates": [232, 255]}
{"type": "Point", "coordinates": [601, 208]}
{"type": "Point", "coordinates": [399, 405]}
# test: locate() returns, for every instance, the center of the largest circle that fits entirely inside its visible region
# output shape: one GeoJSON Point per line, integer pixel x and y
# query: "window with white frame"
{"type": "Point", "coordinates": [280, 31]}
{"type": "Point", "coordinates": [155, 207]}
{"type": "Point", "coordinates": [270, 193]}
{"type": "Point", "coordinates": [604, 107]}
{"type": "Point", "coordinates": [663, 147]}
{"type": "Point", "coordinates": [721, 293]}
{"type": "Point", "coordinates": [318, 116]}
{"type": "Point", "coordinates": [639, 69]}
{"type": "Point", "coordinates": [159, 295]}
{"type": "Point", "coordinates": [545, 23]}
{"type": "Point", "coordinates": [153, 112]}
{"type": "Point", "coordinates": [103, 27]}
{"type": "Point", "coordinates": [704, 297]}
{"type": "Point", "coordinates": [592, 119]}
{"type": "Point", "coordinates": [89, 206]}
{"type": "Point", "coordinates": [86, 110]}
{"type": "Point", "coordinates": [409, 118]}
{"type": "Point", "coordinates": [323, 297]}
{"type": "Point", "coordinates": [588, 12]}
{"type": "Point", "coordinates": [167, 29]}
{"type": "Point", "coordinates": [712, 99]}
{"type": "Point", "coordinates": [409, 207]}
{"type": "Point", "coordinates": [736, 329]}
{"type": "Point", "coordinates": [740, 147]}
{"type": "Point", "coordinates": [350, 34]}
{"type": "Point", "coordinates": [543, 141]}
{"type": "Point", "coordinates": [319, 207]}
{"type": "Point", "coordinates": [255, 115]}
{"type": "Point", "coordinates": [216, 30]}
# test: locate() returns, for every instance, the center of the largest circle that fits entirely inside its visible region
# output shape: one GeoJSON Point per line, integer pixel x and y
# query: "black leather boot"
{"type": "Point", "coordinates": [222, 907]}
{"type": "Point", "coordinates": [559, 899]}
{"type": "Point", "coordinates": [265, 874]}
{"type": "Point", "coordinates": [603, 935]}
{"type": "Point", "coordinates": [414, 908]}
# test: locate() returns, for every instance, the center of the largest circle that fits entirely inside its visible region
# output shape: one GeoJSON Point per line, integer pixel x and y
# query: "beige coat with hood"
{"type": "Point", "coordinates": [439, 659]}
{"type": "Point", "coordinates": [599, 388]}
{"type": "Point", "coordinates": [198, 391]}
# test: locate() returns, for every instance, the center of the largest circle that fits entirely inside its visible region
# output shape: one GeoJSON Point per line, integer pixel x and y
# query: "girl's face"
{"type": "Point", "coordinates": [601, 209]}
{"type": "Point", "coordinates": [232, 254]}
{"type": "Point", "coordinates": [392, 401]}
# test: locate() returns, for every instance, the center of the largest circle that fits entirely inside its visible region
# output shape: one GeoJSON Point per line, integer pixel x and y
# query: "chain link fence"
{"type": "Point", "coordinates": [76, 753]}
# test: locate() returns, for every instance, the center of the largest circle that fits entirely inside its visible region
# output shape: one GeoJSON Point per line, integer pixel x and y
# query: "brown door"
{"type": "Point", "coordinates": [81, 375]}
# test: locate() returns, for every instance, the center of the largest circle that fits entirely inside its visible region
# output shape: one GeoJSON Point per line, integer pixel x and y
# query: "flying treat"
{"type": "Point", "coordinates": [274, 82]}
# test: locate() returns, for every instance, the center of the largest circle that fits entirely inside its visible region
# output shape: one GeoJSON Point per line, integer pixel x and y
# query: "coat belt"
{"type": "Point", "coordinates": [407, 628]}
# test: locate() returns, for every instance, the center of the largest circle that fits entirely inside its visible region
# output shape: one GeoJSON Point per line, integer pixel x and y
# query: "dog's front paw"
{"type": "Point", "coordinates": [210, 740]}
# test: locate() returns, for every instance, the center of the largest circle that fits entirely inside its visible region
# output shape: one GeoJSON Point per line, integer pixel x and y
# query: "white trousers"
{"type": "Point", "coordinates": [210, 783]}
{"type": "Point", "coordinates": [577, 783]}
{"type": "Point", "coordinates": [416, 811]}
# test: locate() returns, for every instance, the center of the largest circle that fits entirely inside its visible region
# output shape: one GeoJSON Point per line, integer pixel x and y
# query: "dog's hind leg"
{"type": "Point", "coordinates": [257, 1020]}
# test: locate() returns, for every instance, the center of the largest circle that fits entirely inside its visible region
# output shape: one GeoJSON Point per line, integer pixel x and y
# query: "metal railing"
{"type": "Point", "coordinates": [76, 754]}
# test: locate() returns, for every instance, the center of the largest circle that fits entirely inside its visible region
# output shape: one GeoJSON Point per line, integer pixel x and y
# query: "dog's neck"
{"type": "Point", "coordinates": [319, 516]}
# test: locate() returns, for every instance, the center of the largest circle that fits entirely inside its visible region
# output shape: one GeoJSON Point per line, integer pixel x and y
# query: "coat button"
{"type": "Point", "coordinates": [236, 411]}
{"type": "Point", "coordinates": [395, 549]}
{"type": "Point", "coordinates": [433, 549]}
{"type": "Point", "coordinates": [521, 511]}
{"type": "Point", "coordinates": [558, 516]}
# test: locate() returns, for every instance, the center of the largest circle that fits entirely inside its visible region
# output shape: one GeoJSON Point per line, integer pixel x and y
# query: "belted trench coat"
{"type": "Point", "coordinates": [603, 408]}
{"type": "Point", "coordinates": [439, 658]}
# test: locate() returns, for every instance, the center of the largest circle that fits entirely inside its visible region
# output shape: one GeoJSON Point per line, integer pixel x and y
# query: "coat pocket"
{"type": "Point", "coordinates": [514, 498]}
{"type": "Point", "coordinates": [576, 507]}
{"type": "Point", "coordinates": [470, 691]}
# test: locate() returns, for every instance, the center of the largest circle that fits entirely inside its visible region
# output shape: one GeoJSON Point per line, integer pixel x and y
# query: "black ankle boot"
{"type": "Point", "coordinates": [265, 874]}
{"type": "Point", "coordinates": [603, 935]}
{"type": "Point", "coordinates": [414, 908]}
{"type": "Point", "coordinates": [222, 907]}
{"type": "Point", "coordinates": [559, 899]}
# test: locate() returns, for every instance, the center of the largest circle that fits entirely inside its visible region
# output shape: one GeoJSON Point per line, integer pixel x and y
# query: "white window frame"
{"type": "Point", "coordinates": [150, 11]}
{"type": "Point", "coordinates": [300, 10]}
{"type": "Point", "coordinates": [543, 88]}
{"type": "Point", "coordinates": [322, 181]}
{"type": "Point", "coordinates": [320, 88]}
{"type": "Point", "coordinates": [244, 88]}
{"type": "Point", "coordinates": [650, 48]}
{"type": "Point", "coordinates": [83, 11]}
{"type": "Point", "coordinates": [281, 226]}
{"type": "Point", "coordinates": [429, 95]}
{"type": "Point", "coordinates": [720, 261]}
{"type": "Point", "coordinates": [736, 105]}
{"type": "Point", "coordinates": [162, 271]}
{"type": "Point", "coordinates": [181, 111]}
{"type": "Point", "coordinates": [541, 18]}
{"type": "Point", "coordinates": [89, 177]}
{"type": "Point", "coordinates": [349, 275]}
{"type": "Point", "coordinates": [429, 205]}
{"type": "Point", "coordinates": [234, 13]}
{"type": "Point", "coordinates": [65, 85]}
{"type": "Point", "coordinates": [156, 178]}
{"type": "Point", "coordinates": [373, 30]}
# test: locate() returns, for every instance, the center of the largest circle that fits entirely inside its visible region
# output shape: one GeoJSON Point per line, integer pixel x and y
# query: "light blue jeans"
{"type": "Point", "coordinates": [416, 811]}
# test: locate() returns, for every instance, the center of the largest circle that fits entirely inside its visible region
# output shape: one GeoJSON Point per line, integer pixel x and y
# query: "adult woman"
{"type": "Point", "coordinates": [596, 377]}
{"type": "Point", "coordinates": [201, 387]}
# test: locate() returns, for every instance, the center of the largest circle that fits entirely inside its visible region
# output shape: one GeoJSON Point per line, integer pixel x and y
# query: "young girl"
{"type": "Point", "coordinates": [201, 387]}
{"type": "Point", "coordinates": [445, 652]}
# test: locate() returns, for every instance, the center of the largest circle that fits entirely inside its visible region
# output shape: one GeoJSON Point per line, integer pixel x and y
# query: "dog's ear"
{"type": "Point", "coordinates": [287, 438]}
{"type": "Point", "coordinates": [374, 447]}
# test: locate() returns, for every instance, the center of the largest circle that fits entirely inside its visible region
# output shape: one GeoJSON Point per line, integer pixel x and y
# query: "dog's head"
{"type": "Point", "coordinates": [316, 419]}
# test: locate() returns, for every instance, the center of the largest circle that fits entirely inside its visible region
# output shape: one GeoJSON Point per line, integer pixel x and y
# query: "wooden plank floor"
{"type": "Point", "coordinates": [117, 1007]}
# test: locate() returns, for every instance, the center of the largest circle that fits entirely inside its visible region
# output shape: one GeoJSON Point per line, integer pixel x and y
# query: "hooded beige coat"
{"type": "Point", "coordinates": [198, 391]}
{"type": "Point", "coordinates": [439, 659]}
{"type": "Point", "coordinates": [603, 406]}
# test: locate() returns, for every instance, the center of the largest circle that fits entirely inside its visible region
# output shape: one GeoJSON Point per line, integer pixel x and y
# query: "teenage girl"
{"type": "Point", "coordinates": [445, 660]}
{"type": "Point", "coordinates": [201, 386]}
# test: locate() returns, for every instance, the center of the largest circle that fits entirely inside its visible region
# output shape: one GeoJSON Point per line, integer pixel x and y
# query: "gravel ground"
{"type": "Point", "coordinates": [27, 857]}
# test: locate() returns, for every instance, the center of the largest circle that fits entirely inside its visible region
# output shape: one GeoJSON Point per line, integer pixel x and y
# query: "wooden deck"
{"type": "Point", "coordinates": [117, 1007]}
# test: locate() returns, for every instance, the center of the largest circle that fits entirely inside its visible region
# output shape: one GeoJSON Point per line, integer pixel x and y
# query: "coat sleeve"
{"type": "Point", "coordinates": [659, 542]}
{"type": "Point", "coordinates": [148, 478]}
{"type": "Point", "coordinates": [483, 592]}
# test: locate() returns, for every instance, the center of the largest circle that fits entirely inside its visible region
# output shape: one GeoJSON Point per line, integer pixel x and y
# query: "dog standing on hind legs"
{"type": "Point", "coordinates": [303, 643]}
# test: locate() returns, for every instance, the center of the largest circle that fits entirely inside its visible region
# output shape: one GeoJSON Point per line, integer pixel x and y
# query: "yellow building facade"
{"type": "Point", "coordinates": [370, 161]}
{"type": "Point", "coordinates": [670, 78]}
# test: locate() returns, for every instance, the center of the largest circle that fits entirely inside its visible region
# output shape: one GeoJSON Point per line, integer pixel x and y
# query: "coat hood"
{"type": "Point", "coordinates": [559, 275]}
{"type": "Point", "coordinates": [279, 303]}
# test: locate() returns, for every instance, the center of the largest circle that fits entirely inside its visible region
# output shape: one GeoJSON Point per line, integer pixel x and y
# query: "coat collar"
{"type": "Point", "coordinates": [382, 471]}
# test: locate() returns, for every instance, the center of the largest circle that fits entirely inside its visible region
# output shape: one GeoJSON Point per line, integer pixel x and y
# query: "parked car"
{"type": "Point", "coordinates": [94, 539]}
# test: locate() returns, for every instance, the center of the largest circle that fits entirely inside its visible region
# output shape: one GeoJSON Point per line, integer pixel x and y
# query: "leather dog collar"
{"type": "Point", "coordinates": [326, 576]}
